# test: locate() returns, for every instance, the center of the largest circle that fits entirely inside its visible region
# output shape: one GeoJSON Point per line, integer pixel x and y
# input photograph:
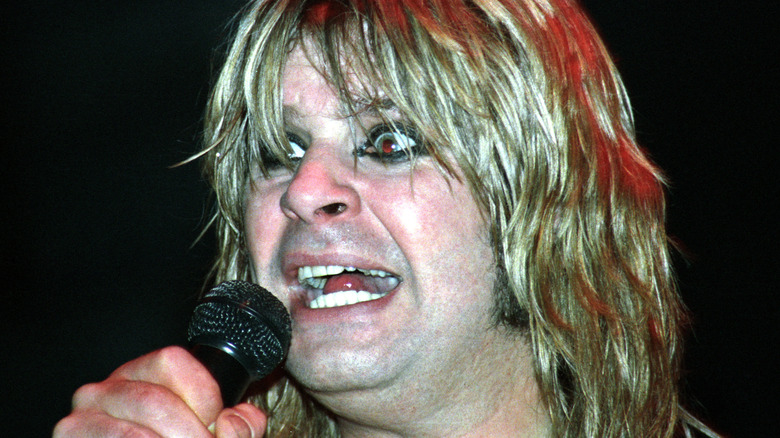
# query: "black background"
{"type": "Point", "coordinates": [99, 99]}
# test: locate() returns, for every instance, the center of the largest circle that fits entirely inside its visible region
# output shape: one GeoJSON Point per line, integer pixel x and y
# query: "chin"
{"type": "Point", "coordinates": [330, 372]}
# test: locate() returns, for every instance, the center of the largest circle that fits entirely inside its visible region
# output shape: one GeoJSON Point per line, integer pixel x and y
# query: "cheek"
{"type": "Point", "coordinates": [445, 215]}
{"type": "Point", "coordinates": [440, 230]}
{"type": "Point", "coordinates": [263, 225]}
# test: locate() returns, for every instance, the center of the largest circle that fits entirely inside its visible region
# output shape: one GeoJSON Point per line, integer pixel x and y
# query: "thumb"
{"type": "Point", "coordinates": [241, 421]}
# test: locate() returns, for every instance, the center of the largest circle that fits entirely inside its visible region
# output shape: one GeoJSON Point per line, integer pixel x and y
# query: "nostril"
{"type": "Point", "coordinates": [334, 209]}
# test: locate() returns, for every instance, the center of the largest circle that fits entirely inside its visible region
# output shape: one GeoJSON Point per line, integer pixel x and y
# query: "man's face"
{"type": "Point", "coordinates": [385, 266]}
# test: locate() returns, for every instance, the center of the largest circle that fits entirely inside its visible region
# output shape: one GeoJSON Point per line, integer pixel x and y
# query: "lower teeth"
{"type": "Point", "coordinates": [343, 298]}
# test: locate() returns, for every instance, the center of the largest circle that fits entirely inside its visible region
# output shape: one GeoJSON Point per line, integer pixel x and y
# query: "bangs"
{"type": "Point", "coordinates": [382, 60]}
{"type": "Point", "coordinates": [465, 90]}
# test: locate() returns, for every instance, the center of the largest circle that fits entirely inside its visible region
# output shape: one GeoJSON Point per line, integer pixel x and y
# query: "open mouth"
{"type": "Point", "coordinates": [337, 286]}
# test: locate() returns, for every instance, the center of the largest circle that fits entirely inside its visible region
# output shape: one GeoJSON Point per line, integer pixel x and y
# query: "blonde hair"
{"type": "Point", "coordinates": [524, 96]}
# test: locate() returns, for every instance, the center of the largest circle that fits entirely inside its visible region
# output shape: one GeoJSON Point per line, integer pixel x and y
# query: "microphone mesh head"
{"type": "Point", "coordinates": [247, 322]}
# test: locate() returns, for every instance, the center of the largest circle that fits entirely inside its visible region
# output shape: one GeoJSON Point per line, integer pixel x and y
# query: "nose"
{"type": "Point", "coordinates": [322, 189]}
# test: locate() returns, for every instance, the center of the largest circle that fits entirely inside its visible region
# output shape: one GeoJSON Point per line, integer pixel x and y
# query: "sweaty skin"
{"type": "Point", "coordinates": [423, 358]}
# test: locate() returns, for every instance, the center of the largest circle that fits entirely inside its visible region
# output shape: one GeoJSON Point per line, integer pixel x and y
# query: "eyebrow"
{"type": "Point", "coordinates": [290, 114]}
{"type": "Point", "coordinates": [375, 107]}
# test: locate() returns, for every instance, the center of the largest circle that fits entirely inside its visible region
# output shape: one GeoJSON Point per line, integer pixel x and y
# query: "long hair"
{"type": "Point", "coordinates": [524, 96]}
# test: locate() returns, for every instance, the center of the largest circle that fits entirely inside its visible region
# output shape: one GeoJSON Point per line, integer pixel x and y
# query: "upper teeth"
{"type": "Point", "coordinates": [314, 276]}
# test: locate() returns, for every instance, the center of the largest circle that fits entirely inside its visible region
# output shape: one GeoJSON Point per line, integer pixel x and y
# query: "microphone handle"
{"type": "Point", "coordinates": [232, 377]}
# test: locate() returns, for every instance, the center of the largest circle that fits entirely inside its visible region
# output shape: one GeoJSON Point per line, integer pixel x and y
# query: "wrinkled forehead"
{"type": "Point", "coordinates": [332, 84]}
{"type": "Point", "coordinates": [305, 89]}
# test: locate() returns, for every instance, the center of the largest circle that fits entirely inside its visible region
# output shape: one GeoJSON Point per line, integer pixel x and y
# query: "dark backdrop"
{"type": "Point", "coordinates": [99, 99]}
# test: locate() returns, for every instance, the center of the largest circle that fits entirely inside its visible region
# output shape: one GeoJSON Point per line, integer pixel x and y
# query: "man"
{"type": "Point", "coordinates": [448, 197]}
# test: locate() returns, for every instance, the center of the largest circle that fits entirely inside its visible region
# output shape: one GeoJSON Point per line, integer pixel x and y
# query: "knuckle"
{"type": "Point", "coordinates": [85, 394]}
{"type": "Point", "coordinates": [183, 364]}
{"type": "Point", "coordinates": [67, 427]}
{"type": "Point", "coordinates": [187, 368]}
{"type": "Point", "coordinates": [171, 356]}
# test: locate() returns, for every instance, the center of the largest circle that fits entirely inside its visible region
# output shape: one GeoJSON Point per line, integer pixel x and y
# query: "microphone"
{"type": "Point", "coordinates": [240, 332]}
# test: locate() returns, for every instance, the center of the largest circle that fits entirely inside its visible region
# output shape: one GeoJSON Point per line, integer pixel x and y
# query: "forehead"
{"type": "Point", "coordinates": [307, 87]}
{"type": "Point", "coordinates": [305, 91]}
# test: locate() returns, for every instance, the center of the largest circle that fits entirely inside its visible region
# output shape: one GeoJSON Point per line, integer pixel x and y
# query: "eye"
{"type": "Point", "coordinates": [391, 144]}
{"type": "Point", "coordinates": [297, 147]}
{"type": "Point", "coordinates": [294, 154]}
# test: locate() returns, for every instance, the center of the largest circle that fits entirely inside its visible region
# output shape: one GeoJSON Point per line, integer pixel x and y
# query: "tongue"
{"type": "Point", "coordinates": [350, 281]}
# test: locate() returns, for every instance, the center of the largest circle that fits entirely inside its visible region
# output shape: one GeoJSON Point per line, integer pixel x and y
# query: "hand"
{"type": "Point", "coordinates": [167, 393]}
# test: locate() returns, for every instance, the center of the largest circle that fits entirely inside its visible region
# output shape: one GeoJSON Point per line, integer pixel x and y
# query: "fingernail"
{"type": "Point", "coordinates": [236, 426]}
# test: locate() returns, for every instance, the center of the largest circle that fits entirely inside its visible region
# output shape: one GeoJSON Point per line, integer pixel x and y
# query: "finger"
{"type": "Point", "coordinates": [241, 421]}
{"type": "Point", "coordinates": [175, 368]}
{"type": "Point", "coordinates": [147, 404]}
{"type": "Point", "coordinates": [87, 424]}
